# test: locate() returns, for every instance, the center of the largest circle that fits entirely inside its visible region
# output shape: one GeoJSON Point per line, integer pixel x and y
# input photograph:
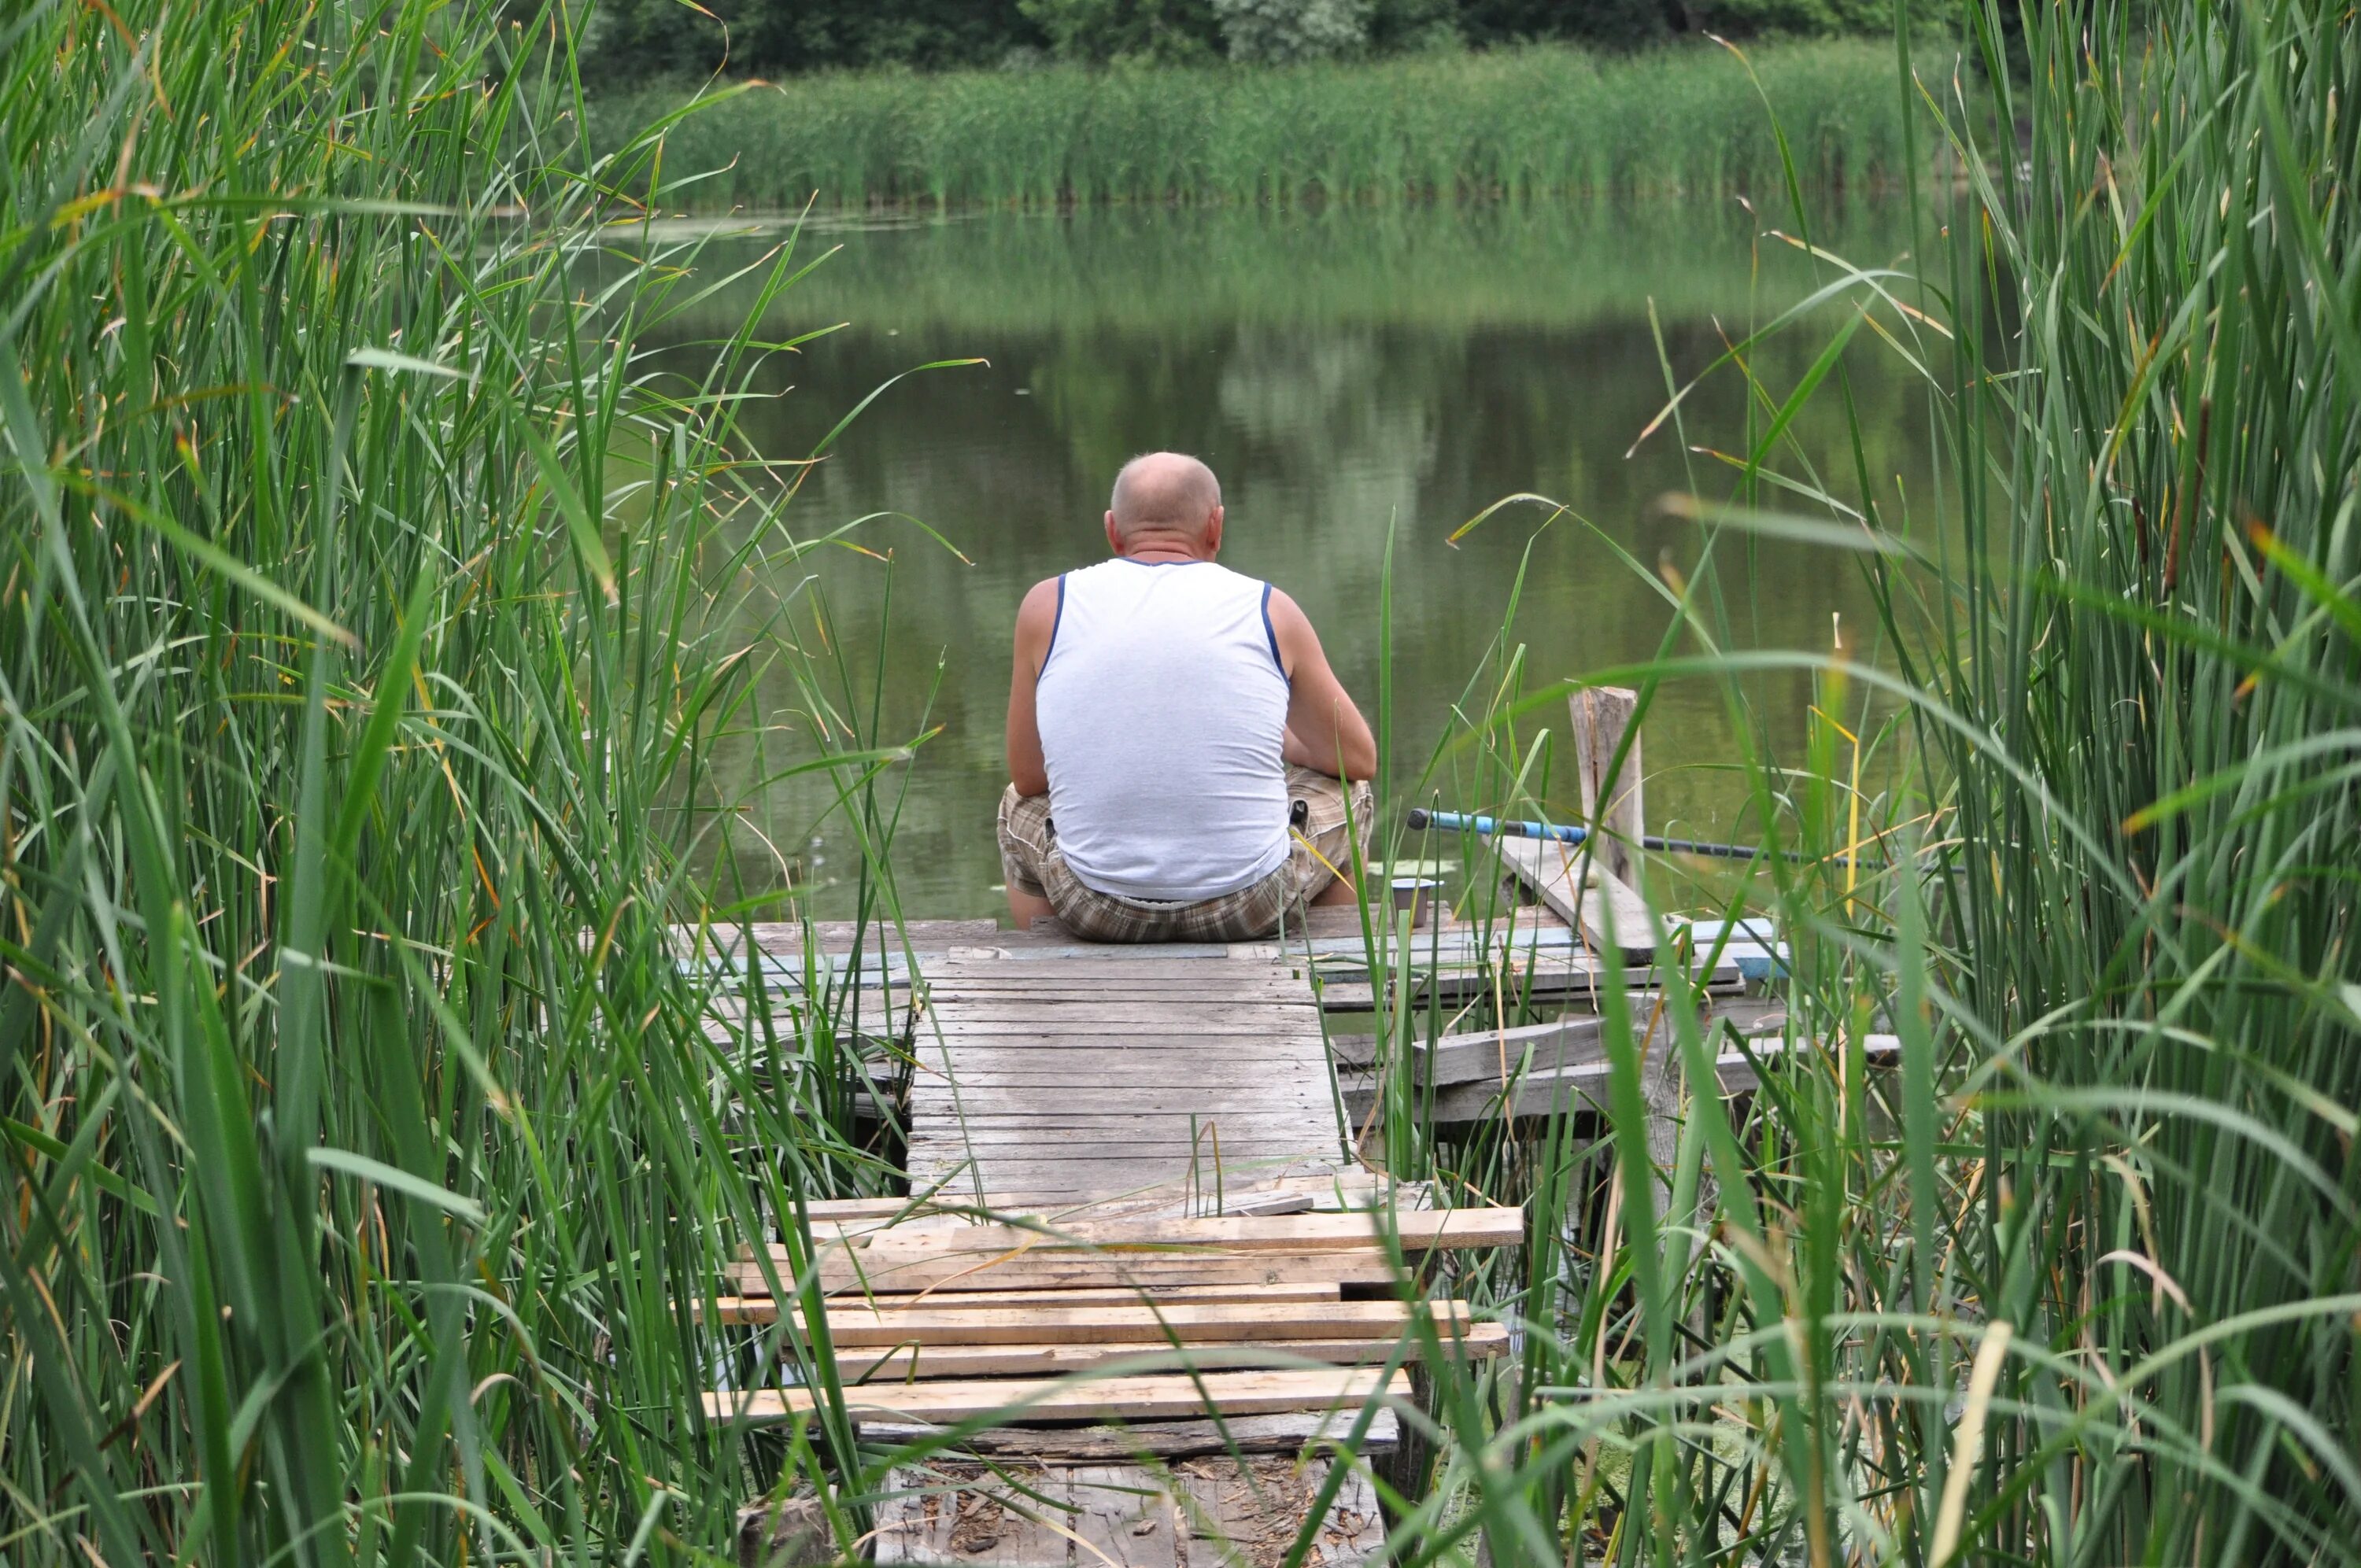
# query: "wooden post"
{"type": "Point", "coordinates": [1602, 715]}
{"type": "Point", "coordinates": [1613, 811]}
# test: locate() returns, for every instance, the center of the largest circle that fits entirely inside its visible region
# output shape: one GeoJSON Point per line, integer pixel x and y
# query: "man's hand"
{"type": "Point", "coordinates": [1325, 731]}
{"type": "Point", "coordinates": [1037, 618]}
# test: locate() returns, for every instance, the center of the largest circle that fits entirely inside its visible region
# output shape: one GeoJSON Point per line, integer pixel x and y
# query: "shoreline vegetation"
{"type": "Point", "coordinates": [1541, 265]}
{"type": "Point", "coordinates": [371, 1153]}
{"type": "Point", "coordinates": [1541, 120]}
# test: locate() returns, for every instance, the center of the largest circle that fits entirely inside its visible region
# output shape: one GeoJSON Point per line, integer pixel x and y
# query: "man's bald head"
{"type": "Point", "coordinates": [1166, 492]}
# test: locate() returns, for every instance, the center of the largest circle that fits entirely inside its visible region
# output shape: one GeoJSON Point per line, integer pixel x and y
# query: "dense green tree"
{"type": "Point", "coordinates": [632, 38]}
{"type": "Point", "coordinates": [1619, 23]}
{"type": "Point", "coordinates": [1281, 32]}
{"type": "Point", "coordinates": [1399, 26]}
{"type": "Point", "coordinates": [627, 39]}
{"type": "Point", "coordinates": [1162, 32]}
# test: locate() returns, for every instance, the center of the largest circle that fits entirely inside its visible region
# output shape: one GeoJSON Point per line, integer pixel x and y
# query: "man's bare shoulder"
{"type": "Point", "coordinates": [1036, 618]}
{"type": "Point", "coordinates": [1040, 603]}
{"type": "Point", "coordinates": [1286, 617]}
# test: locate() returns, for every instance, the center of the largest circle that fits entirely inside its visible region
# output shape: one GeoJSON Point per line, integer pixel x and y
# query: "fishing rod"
{"type": "Point", "coordinates": [1490, 827]}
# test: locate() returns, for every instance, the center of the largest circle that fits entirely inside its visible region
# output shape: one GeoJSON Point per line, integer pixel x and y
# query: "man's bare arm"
{"type": "Point", "coordinates": [1036, 617]}
{"type": "Point", "coordinates": [1324, 731]}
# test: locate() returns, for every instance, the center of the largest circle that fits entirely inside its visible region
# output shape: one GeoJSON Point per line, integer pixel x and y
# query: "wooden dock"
{"type": "Point", "coordinates": [1136, 1222]}
{"type": "Point", "coordinates": [1117, 1074]}
{"type": "Point", "coordinates": [1138, 1252]}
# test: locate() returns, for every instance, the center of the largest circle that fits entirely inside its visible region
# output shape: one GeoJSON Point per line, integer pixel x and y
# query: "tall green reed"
{"type": "Point", "coordinates": [372, 610]}
{"type": "Point", "coordinates": [1529, 122]}
{"type": "Point", "coordinates": [2073, 1280]}
{"type": "Point", "coordinates": [370, 1150]}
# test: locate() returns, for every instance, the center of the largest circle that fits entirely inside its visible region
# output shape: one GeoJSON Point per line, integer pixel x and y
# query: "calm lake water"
{"type": "Point", "coordinates": [1353, 375]}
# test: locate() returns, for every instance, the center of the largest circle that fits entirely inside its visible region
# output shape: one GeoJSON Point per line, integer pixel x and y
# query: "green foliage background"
{"type": "Point", "coordinates": [630, 40]}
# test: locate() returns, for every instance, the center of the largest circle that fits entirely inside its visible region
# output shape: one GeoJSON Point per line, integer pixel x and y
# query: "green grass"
{"type": "Point", "coordinates": [368, 1152]}
{"type": "Point", "coordinates": [1527, 122]}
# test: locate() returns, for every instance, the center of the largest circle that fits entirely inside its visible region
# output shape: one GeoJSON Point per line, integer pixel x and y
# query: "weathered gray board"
{"type": "Point", "coordinates": [1549, 868]}
{"type": "Point", "coordinates": [1579, 1086]}
{"type": "Point", "coordinates": [1199, 1513]}
{"type": "Point", "coordinates": [1099, 1074]}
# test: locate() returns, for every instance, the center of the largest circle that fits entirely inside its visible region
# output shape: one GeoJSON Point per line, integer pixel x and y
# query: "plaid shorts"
{"type": "Point", "coordinates": [1029, 859]}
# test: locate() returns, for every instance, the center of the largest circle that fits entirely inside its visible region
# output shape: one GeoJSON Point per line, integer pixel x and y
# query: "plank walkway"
{"type": "Point", "coordinates": [1040, 1082]}
{"type": "Point", "coordinates": [1184, 1260]}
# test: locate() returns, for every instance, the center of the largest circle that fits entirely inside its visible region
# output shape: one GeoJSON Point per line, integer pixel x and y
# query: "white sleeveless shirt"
{"type": "Point", "coordinates": [1162, 707]}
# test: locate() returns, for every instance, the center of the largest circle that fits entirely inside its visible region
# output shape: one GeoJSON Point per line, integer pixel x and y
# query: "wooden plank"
{"type": "Point", "coordinates": [992, 1518]}
{"type": "Point", "coordinates": [1242, 1047]}
{"type": "Point", "coordinates": [1155, 1398]}
{"type": "Point", "coordinates": [1123, 1515]}
{"type": "Point", "coordinates": [1179, 1022]}
{"type": "Point", "coordinates": [1474, 1342]}
{"type": "Point", "coordinates": [1150, 1138]}
{"type": "Point", "coordinates": [1467, 1059]}
{"type": "Point", "coordinates": [1257, 975]}
{"type": "Point", "coordinates": [1151, 1141]}
{"type": "Point", "coordinates": [855, 1325]}
{"type": "Point", "coordinates": [1572, 989]}
{"type": "Point", "coordinates": [966, 1122]}
{"type": "Point", "coordinates": [1328, 1185]}
{"type": "Point", "coordinates": [1548, 868]}
{"type": "Point", "coordinates": [1210, 1512]}
{"type": "Point", "coordinates": [764, 1310]}
{"type": "Point", "coordinates": [840, 1275]}
{"type": "Point", "coordinates": [1290, 1433]}
{"type": "Point", "coordinates": [1265, 984]}
{"type": "Point", "coordinates": [1090, 1100]}
{"type": "Point", "coordinates": [1044, 1177]}
{"type": "Point", "coordinates": [1583, 1087]}
{"type": "Point", "coordinates": [1092, 1074]}
{"type": "Point", "coordinates": [1418, 1231]}
{"type": "Point", "coordinates": [1474, 1057]}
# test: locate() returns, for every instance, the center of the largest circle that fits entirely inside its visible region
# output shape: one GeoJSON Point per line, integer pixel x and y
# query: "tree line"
{"type": "Point", "coordinates": [630, 40]}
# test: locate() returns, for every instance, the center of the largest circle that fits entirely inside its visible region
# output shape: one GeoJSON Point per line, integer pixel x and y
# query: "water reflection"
{"type": "Point", "coordinates": [1346, 373]}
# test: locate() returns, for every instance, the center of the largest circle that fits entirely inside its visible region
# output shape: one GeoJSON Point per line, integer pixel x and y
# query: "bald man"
{"type": "Point", "coordinates": [1178, 747]}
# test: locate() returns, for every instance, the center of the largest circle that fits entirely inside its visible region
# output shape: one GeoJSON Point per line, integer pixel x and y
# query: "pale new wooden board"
{"type": "Point", "coordinates": [764, 1310]}
{"type": "Point", "coordinates": [844, 1275]}
{"type": "Point", "coordinates": [1475, 1342]}
{"type": "Point", "coordinates": [1415, 1230]}
{"type": "Point", "coordinates": [852, 1325]}
{"type": "Point", "coordinates": [1156, 1397]}
{"type": "Point", "coordinates": [1287, 1434]}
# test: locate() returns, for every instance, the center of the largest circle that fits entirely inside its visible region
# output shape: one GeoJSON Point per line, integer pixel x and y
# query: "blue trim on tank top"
{"type": "Point", "coordinates": [1055, 622]}
{"type": "Point", "coordinates": [1270, 632]}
